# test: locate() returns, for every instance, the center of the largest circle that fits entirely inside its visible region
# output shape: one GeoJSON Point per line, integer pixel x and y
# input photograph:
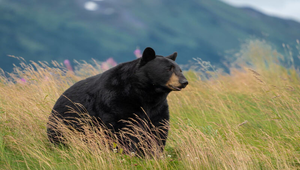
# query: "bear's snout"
{"type": "Point", "coordinates": [176, 83]}
{"type": "Point", "coordinates": [184, 83]}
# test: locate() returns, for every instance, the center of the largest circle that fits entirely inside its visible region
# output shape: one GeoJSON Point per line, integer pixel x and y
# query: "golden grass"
{"type": "Point", "coordinates": [249, 119]}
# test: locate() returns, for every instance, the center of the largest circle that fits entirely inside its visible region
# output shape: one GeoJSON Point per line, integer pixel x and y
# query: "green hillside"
{"type": "Point", "coordinates": [57, 30]}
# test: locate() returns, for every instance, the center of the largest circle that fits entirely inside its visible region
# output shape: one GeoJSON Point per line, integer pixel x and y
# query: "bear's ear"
{"type": "Point", "coordinates": [148, 55]}
{"type": "Point", "coordinates": [172, 56]}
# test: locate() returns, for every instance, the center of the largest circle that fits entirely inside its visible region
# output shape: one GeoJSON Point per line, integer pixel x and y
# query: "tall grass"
{"type": "Point", "coordinates": [248, 119]}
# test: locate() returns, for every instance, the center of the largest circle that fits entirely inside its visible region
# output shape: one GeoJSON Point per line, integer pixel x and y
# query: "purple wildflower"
{"type": "Point", "coordinates": [68, 65]}
{"type": "Point", "coordinates": [137, 53]}
{"type": "Point", "coordinates": [23, 81]}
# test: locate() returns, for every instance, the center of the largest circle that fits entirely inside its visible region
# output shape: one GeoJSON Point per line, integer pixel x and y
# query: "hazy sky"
{"type": "Point", "coordinates": [281, 8]}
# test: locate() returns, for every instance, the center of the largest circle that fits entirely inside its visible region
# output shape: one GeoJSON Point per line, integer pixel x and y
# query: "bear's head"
{"type": "Point", "coordinates": [162, 72]}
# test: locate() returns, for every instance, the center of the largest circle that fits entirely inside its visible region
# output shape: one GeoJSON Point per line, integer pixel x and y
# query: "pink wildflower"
{"type": "Point", "coordinates": [137, 53]}
{"type": "Point", "coordinates": [23, 81]}
{"type": "Point", "coordinates": [68, 65]}
{"type": "Point", "coordinates": [111, 62]}
{"type": "Point", "coordinates": [105, 66]}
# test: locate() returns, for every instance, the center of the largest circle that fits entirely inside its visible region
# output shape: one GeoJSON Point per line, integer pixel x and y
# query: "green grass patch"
{"type": "Point", "coordinates": [249, 119]}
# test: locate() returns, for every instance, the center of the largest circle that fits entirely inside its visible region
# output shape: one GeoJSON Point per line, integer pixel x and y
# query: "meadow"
{"type": "Point", "coordinates": [248, 119]}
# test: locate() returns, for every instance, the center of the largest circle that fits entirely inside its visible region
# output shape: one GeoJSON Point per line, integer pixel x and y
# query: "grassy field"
{"type": "Point", "coordinates": [249, 119]}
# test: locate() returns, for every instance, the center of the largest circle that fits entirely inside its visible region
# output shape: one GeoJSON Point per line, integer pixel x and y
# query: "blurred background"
{"type": "Point", "coordinates": [45, 30]}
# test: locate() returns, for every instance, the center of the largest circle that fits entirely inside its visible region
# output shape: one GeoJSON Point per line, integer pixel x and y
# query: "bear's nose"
{"type": "Point", "coordinates": [184, 83]}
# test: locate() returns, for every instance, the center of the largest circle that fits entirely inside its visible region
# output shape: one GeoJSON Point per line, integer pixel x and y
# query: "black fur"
{"type": "Point", "coordinates": [120, 92]}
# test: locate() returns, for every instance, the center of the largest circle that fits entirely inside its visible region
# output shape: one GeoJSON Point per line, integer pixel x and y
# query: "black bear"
{"type": "Point", "coordinates": [131, 90]}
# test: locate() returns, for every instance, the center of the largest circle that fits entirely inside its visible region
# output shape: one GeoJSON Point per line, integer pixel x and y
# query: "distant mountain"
{"type": "Point", "coordinates": [57, 30]}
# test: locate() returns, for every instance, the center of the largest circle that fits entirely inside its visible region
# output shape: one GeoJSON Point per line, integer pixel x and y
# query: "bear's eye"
{"type": "Point", "coordinates": [171, 68]}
